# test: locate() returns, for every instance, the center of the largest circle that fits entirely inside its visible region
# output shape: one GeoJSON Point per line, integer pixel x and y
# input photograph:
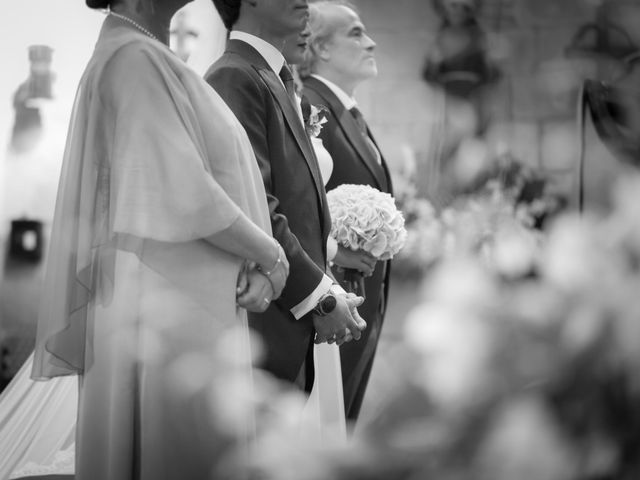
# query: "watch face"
{"type": "Point", "coordinates": [329, 304]}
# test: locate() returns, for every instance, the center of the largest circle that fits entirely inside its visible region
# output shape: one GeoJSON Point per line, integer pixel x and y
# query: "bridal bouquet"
{"type": "Point", "coordinates": [363, 217]}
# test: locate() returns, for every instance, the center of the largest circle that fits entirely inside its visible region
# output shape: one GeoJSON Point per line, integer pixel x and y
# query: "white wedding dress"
{"type": "Point", "coordinates": [38, 419]}
{"type": "Point", "coordinates": [37, 425]}
{"type": "Point", "coordinates": [324, 414]}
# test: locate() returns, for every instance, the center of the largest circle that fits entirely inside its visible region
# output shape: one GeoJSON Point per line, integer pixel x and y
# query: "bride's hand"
{"type": "Point", "coordinates": [256, 293]}
{"type": "Point", "coordinates": [242, 283]}
{"type": "Point", "coordinates": [356, 259]}
{"type": "Point", "coordinates": [277, 273]}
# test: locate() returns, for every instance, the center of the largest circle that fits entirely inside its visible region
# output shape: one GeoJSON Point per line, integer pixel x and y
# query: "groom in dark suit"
{"type": "Point", "coordinates": [340, 57]}
{"type": "Point", "coordinates": [257, 85]}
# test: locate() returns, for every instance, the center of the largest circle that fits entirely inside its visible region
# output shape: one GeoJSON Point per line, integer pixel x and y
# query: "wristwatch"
{"type": "Point", "coordinates": [326, 304]}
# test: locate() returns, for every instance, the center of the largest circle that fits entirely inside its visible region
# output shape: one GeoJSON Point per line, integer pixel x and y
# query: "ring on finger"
{"type": "Point", "coordinates": [266, 300]}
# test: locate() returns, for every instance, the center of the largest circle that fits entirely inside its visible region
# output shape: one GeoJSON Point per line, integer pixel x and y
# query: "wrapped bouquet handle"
{"type": "Point", "coordinates": [352, 281]}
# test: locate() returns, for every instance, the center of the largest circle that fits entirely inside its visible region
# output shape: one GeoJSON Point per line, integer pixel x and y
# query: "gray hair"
{"type": "Point", "coordinates": [321, 30]}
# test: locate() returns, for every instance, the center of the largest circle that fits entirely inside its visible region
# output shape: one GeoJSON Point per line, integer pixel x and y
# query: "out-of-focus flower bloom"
{"type": "Point", "coordinates": [456, 348]}
{"type": "Point", "coordinates": [462, 282]}
{"type": "Point", "coordinates": [515, 252]}
{"type": "Point", "coordinates": [519, 362]}
{"type": "Point", "coordinates": [526, 443]}
{"type": "Point", "coordinates": [473, 156]}
{"type": "Point", "coordinates": [575, 256]}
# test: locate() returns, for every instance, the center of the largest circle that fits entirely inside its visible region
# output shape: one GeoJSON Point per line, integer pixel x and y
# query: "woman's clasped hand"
{"type": "Point", "coordinates": [259, 284]}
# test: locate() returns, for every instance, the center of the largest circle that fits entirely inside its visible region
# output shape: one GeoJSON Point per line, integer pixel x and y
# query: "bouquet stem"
{"type": "Point", "coordinates": [353, 281]}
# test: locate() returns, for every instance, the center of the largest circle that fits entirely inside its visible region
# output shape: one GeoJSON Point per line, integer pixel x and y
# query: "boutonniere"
{"type": "Point", "coordinates": [315, 118]}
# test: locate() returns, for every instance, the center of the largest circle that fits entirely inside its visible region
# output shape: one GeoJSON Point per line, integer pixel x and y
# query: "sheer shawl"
{"type": "Point", "coordinates": [123, 183]}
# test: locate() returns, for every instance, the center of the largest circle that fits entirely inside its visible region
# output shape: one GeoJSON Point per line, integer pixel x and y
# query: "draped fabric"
{"type": "Point", "coordinates": [169, 169]}
{"type": "Point", "coordinates": [37, 425]}
{"type": "Point", "coordinates": [323, 417]}
{"type": "Point", "coordinates": [325, 162]}
{"type": "Point", "coordinates": [134, 300]}
{"type": "Point", "coordinates": [134, 303]}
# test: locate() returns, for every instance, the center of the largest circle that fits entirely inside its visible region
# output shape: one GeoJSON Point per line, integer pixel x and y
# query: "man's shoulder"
{"type": "Point", "coordinates": [313, 86]}
{"type": "Point", "coordinates": [317, 92]}
{"type": "Point", "coordinates": [234, 75]}
{"type": "Point", "coordinates": [230, 63]}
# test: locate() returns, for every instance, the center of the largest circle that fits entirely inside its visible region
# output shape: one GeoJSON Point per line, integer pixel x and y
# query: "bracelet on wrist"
{"type": "Point", "coordinates": [269, 272]}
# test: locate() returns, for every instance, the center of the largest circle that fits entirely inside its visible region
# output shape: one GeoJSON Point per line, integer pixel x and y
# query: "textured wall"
{"type": "Point", "coordinates": [534, 108]}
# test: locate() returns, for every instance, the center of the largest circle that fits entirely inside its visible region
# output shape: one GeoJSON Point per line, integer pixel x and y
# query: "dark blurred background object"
{"type": "Point", "coordinates": [25, 240]}
{"type": "Point", "coordinates": [27, 127]}
{"type": "Point", "coordinates": [41, 77]}
{"type": "Point", "coordinates": [459, 61]}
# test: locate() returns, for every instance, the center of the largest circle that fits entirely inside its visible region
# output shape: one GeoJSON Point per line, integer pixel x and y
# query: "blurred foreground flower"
{"type": "Point", "coordinates": [488, 225]}
{"type": "Point", "coordinates": [525, 348]}
{"type": "Point", "coordinates": [520, 361]}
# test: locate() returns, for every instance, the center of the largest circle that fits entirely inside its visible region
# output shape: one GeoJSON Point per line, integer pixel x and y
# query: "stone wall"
{"type": "Point", "coordinates": [533, 109]}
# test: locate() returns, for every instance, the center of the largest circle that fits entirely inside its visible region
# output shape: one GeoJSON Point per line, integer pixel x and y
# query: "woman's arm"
{"type": "Point", "coordinates": [246, 240]}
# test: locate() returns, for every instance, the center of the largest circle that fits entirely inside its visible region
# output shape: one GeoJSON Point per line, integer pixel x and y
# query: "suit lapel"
{"type": "Point", "coordinates": [359, 142]}
{"type": "Point", "coordinates": [352, 132]}
{"type": "Point", "coordinates": [386, 175]}
{"type": "Point", "coordinates": [289, 111]}
{"type": "Point", "coordinates": [295, 124]}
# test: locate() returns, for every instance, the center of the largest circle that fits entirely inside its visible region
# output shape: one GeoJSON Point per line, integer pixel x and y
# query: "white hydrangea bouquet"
{"type": "Point", "coordinates": [364, 218]}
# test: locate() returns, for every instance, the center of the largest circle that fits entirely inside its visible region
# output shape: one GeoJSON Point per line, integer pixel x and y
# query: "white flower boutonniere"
{"type": "Point", "coordinates": [317, 118]}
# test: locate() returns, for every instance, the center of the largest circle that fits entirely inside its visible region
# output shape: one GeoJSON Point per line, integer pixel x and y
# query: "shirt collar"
{"type": "Point", "coordinates": [271, 54]}
{"type": "Point", "coordinates": [346, 100]}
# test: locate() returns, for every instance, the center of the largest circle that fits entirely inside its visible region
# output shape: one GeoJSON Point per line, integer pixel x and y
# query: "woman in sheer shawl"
{"type": "Point", "coordinates": [161, 236]}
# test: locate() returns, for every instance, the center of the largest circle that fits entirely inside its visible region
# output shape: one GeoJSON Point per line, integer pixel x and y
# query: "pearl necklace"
{"type": "Point", "coordinates": [135, 24]}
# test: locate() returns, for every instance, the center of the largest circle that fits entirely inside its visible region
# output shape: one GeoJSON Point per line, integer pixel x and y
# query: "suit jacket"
{"type": "Point", "coordinates": [353, 162]}
{"type": "Point", "coordinates": [295, 193]}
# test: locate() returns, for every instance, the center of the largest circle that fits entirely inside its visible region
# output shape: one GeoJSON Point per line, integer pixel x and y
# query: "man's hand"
{"type": "Point", "coordinates": [343, 324]}
{"type": "Point", "coordinates": [254, 291]}
{"type": "Point", "coordinates": [355, 259]}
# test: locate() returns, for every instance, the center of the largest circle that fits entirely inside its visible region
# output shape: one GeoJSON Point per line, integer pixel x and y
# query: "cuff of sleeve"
{"type": "Point", "coordinates": [306, 305]}
{"type": "Point", "coordinates": [332, 248]}
{"type": "Point", "coordinates": [337, 289]}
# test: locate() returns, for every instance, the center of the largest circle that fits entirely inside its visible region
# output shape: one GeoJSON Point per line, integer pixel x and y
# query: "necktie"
{"type": "Point", "coordinates": [362, 125]}
{"type": "Point", "coordinates": [289, 85]}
